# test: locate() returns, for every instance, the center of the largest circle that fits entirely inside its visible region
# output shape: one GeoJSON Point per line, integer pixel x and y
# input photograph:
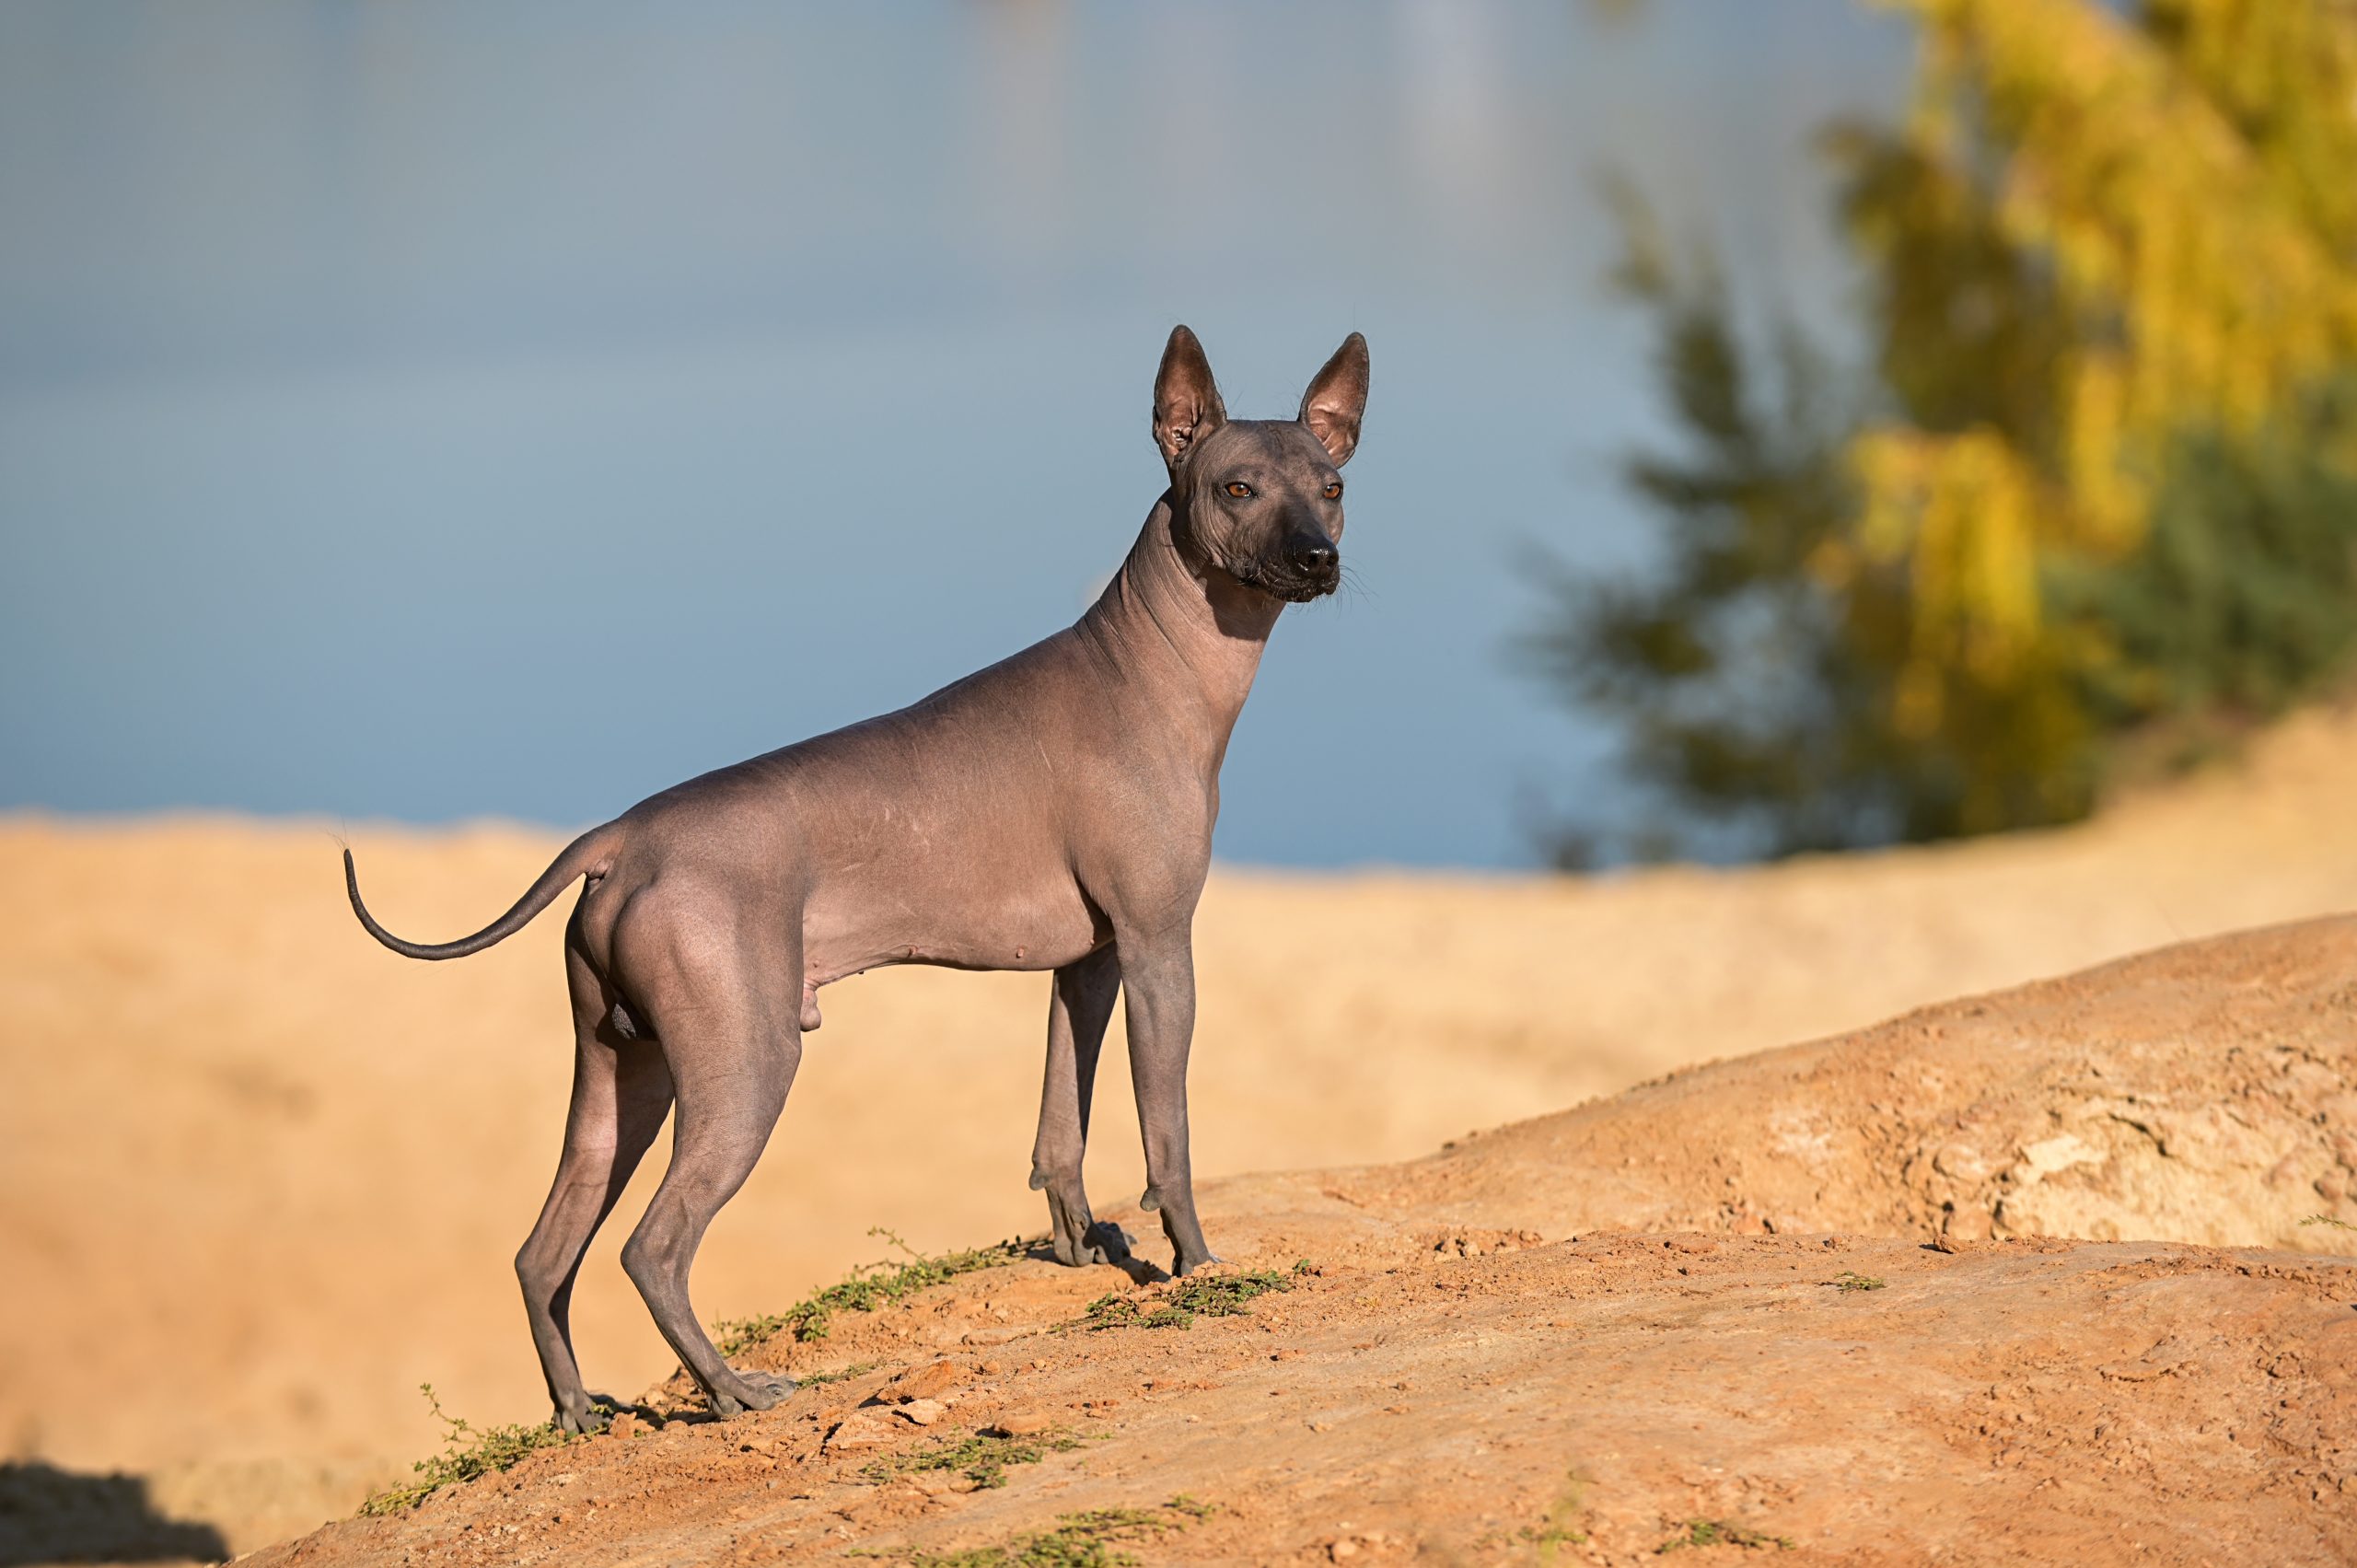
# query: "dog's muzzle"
{"type": "Point", "coordinates": [1308, 569]}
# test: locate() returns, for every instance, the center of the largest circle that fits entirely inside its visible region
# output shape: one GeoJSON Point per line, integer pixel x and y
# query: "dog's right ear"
{"type": "Point", "coordinates": [1186, 400]}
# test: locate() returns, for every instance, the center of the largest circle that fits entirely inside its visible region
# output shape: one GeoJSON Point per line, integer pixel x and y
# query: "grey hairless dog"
{"type": "Point", "coordinates": [1053, 812]}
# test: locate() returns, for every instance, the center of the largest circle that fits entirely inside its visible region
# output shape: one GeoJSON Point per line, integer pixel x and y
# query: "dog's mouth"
{"type": "Point", "coordinates": [1283, 582]}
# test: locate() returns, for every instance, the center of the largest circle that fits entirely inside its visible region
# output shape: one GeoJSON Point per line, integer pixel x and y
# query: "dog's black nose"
{"type": "Point", "coordinates": [1313, 559]}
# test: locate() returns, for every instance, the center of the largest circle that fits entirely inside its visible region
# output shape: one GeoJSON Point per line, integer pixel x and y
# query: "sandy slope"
{"type": "Point", "coordinates": [258, 1178]}
{"type": "Point", "coordinates": [1460, 1380]}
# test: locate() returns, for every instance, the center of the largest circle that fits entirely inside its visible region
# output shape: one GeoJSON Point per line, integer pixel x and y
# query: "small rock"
{"type": "Point", "coordinates": [564, 1479]}
{"type": "Point", "coordinates": [991, 1369]}
{"type": "Point", "coordinates": [625, 1424]}
{"type": "Point", "coordinates": [923, 1382]}
{"type": "Point", "coordinates": [861, 1429]}
{"type": "Point", "coordinates": [989, 1336]}
{"type": "Point", "coordinates": [1342, 1549]}
{"type": "Point", "coordinates": [924, 1412]}
{"type": "Point", "coordinates": [1022, 1423]}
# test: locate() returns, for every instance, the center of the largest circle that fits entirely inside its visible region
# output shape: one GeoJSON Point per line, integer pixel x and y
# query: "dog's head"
{"type": "Point", "coordinates": [1260, 499]}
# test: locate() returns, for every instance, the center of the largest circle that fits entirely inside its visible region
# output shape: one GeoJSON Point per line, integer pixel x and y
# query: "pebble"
{"type": "Point", "coordinates": [1022, 1423]}
{"type": "Point", "coordinates": [924, 1412]}
{"type": "Point", "coordinates": [923, 1382]}
{"type": "Point", "coordinates": [861, 1429]}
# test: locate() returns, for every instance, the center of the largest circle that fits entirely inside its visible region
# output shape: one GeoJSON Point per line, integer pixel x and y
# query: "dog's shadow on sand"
{"type": "Point", "coordinates": [48, 1514]}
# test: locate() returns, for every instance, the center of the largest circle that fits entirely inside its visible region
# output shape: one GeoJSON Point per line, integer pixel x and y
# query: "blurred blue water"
{"type": "Point", "coordinates": [445, 410]}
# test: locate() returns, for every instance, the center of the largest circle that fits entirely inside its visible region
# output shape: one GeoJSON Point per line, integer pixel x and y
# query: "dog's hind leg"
{"type": "Point", "coordinates": [1079, 1008]}
{"type": "Point", "coordinates": [728, 1020]}
{"type": "Point", "coordinates": [621, 1091]}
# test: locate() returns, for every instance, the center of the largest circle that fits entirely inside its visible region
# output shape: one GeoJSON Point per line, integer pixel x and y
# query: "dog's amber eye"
{"type": "Point", "coordinates": [1334, 491]}
{"type": "Point", "coordinates": [1238, 489]}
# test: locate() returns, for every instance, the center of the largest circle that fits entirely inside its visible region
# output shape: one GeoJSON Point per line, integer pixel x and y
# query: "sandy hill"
{"type": "Point", "coordinates": [1705, 1310]}
{"type": "Point", "coordinates": [259, 1179]}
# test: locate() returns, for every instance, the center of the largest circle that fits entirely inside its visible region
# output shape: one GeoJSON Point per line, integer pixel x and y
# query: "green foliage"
{"type": "Point", "coordinates": [2328, 1219]}
{"type": "Point", "coordinates": [1849, 1279]}
{"type": "Point", "coordinates": [2245, 587]}
{"type": "Point", "coordinates": [865, 1289]}
{"type": "Point", "coordinates": [2089, 501]}
{"type": "Point", "coordinates": [1560, 1529]}
{"type": "Point", "coordinates": [1721, 1532]}
{"type": "Point", "coordinates": [466, 1454]}
{"type": "Point", "coordinates": [838, 1374]}
{"type": "Point", "coordinates": [1079, 1540]}
{"type": "Point", "coordinates": [982, 1458]}
{"type": "Point", "coordinates": [1179, 1304]}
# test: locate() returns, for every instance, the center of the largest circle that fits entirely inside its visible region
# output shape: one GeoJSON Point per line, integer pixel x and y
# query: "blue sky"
{"type": "Point", "coordinates": [443, 411]}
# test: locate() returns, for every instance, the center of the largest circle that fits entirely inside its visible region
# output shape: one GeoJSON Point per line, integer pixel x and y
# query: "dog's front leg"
{"type": "Point", "coordinates": [1079, 1007]}
{"type": "Point", "coordinates": [1158, 981]}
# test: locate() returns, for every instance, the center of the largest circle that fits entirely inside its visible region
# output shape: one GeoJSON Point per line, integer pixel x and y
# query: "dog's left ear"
{"type": "Point", "coordinates": [1336, 399]}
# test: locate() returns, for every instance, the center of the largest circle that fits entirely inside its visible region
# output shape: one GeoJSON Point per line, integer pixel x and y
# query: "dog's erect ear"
{"type": "Point", "coordinates": [1186, 400]}
{"type": "Point", "coordinates": [1336, 398]}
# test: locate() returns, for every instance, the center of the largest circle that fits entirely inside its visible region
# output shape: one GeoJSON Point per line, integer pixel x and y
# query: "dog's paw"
{"type": "Point", "coordinates": [1098, 1243]}
{"type": "Point", "coordinates": [753, 1391]}
{"type": "Point", "coordinates": [591, 1414]}
{"type": "Point", "coordinates": [1106, 1243]}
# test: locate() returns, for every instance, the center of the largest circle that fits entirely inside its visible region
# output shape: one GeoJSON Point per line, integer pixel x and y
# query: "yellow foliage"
{"type": "Point", "coordinates": [2187, 181]}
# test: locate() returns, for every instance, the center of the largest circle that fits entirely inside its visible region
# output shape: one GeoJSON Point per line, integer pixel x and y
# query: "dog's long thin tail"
{"type": "Point", "coordinates": [587, 856]}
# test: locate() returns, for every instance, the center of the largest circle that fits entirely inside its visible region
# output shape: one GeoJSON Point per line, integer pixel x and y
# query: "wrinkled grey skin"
{"type": "Point", "coordinates": [1053, 812]}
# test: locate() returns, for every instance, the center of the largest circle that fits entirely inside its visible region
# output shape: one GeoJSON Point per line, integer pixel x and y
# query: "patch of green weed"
{"type": "Point", "coordinates": [1849, 1279]}
{"type": "Point", "coordinates": [1722, 1532]}
{"type": "Point", "coordinates": [982, 1458]}
{"type": "Point", "coordinates": [1090, 1539]}
{"type": "Point", "coordinates": [865, 1289]}
{"type": "Point", "coordinates": [1178, 1304]}
{"type": "Point", "coordinates": [1560, 1529]}
{"type": "Point", "coordinates": [2328, 1219]}
{"type": "Point", "coordinates": [840, 1374]}
{"type": "Point", "coordinates": [466, 1454]}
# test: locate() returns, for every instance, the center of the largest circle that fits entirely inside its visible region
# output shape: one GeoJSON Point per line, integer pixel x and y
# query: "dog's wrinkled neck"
{"type": "Point", "coordinates": [1183, 619]}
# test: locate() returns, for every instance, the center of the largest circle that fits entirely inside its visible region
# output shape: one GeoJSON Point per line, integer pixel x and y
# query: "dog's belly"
{"type": "Point", "coordinates": [1043, 926]}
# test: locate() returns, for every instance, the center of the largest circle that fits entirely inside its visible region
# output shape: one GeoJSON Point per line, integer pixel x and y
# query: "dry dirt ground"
{"type": "Point", "coordinates": [1710, 1299]}
{"type": "Point", "coordinates": [258, 1178]}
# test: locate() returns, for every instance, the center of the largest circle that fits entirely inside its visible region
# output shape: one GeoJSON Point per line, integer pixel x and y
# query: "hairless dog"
{"type": "Point", "coordinates": [1053, 812]}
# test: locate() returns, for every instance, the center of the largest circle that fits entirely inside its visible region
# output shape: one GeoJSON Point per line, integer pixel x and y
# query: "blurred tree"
{"type": "Point", "coordinates": [2100, 483]}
